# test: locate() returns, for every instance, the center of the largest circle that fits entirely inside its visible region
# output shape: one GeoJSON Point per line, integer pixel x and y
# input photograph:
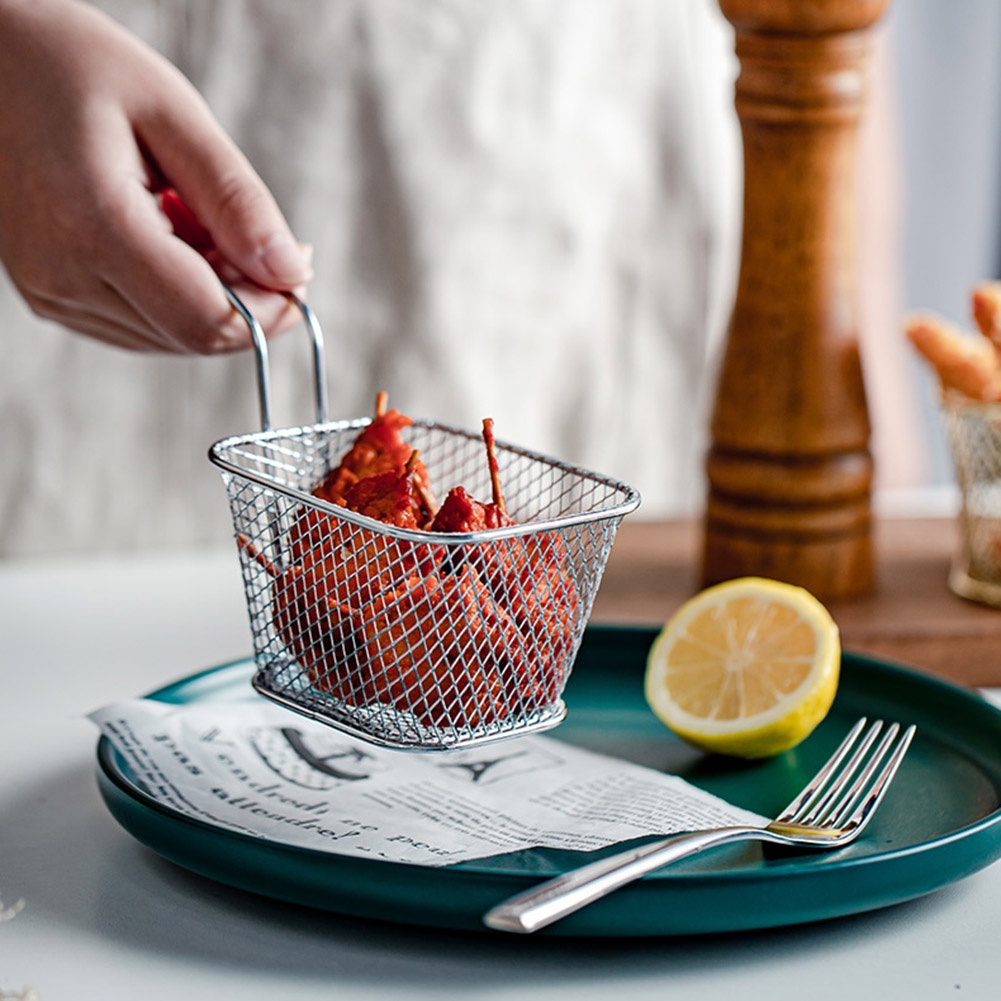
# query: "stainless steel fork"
{"type": "Point", "coordinates": [831, 811]}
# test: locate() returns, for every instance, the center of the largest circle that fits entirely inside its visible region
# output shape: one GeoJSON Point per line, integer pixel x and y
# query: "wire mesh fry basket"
{"type": "Point", "coordinates": [974, 429]}
{"type": "Point", "coordinates": [404, 637]}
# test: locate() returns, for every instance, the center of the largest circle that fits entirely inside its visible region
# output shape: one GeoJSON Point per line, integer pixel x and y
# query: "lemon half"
{"type": "Point", "coordinates": [746, 668]}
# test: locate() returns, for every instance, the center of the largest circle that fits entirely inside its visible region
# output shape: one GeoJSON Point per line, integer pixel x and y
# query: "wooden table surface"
{"type": "Point", "coordinates": [911, 618]}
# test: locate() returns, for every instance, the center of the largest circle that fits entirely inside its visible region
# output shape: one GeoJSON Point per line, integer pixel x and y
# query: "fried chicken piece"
{"type": "Point", "coordinates": [338, 567]}
{"type": "Point", "coordinates": [530, 576]}
{"type": "Point", "coordinates": [314, 629]}
{"type": "Point", "coordinates": [986, 302]}
{"type": "Point", "coordinates": [379, 448]}
{"type": "Point", "coordinates": [527, 575]}
{"type": "Point", "coordinates": [358, 559]}
{"type": "Point", "coordinates": [968, 365]}
{"type": "Point", "coordinates": [459, 513]}
{"type": "Point", "coordinates": [389, 497]}
{"type": "Point", "coordinates": [440, 648]}
{"type": "Point", "coordinates": [458, 641]}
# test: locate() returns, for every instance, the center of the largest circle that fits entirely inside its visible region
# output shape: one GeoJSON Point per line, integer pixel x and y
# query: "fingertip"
{"type": "Point", "coordinates": [286, 262]}
{"type": "Point", "coordinates": [274, 312]}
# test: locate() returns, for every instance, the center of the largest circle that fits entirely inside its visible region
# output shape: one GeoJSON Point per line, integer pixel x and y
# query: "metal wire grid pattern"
{"type": "Point", "coordinates": [405, 638]}
{"type": "Point", "coordinates": [975, 436]}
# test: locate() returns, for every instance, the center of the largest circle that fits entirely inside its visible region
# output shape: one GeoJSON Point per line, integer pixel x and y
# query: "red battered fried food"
{"type": "Point", "coordinates": [338, 567]}
{"type": "Point", "coordinates": [528, 576]}
{"type": "Point", "coordinates": [313, 627]}
{"type": "Point", "coordinates": [440, 648]}
{"type": "Point", "coordinates": [531, 576]}
{"type": "Point", "coordinates": [378, 448]}
{"type": "Point", "coordinates": [354, 564]}
{"type": "Point", "coordinates": [458, 641]}
{"type": "Point", "coordinates": [316, 630]}
{"type": "Point", "coordinates": [460, 513]}
{"type": "Point", "coordinates": [389, 497]}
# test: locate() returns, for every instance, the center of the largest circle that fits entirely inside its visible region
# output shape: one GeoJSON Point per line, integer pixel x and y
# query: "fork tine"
{"type": "Point", "coordinates": [836, 812]}
{"type": "Point", "coordinates": [822, 805]}
{"type": "Point", "coordinates": [865, 809]}
{"type": "Point", "coordinates": [805, 799]}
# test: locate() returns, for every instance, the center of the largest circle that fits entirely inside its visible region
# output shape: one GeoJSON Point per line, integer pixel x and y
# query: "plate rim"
{"type": "Point", "coordinates": [511, 881]}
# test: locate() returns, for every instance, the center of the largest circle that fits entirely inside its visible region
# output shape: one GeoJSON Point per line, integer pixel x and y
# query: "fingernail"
{"type": "Point", "coordinates": [285, 260]}
{"type": "Point", "coordinates": [229, 274]}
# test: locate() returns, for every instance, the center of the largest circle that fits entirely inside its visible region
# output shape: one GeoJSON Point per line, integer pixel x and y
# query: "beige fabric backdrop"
{"type": "Point", "coordinates": [527, 209]}
{"type": "Point", "coordinates": [524, 210]}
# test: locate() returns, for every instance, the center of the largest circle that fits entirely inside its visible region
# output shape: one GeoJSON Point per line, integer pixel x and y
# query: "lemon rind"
{"type": "Point", "coordinates": [782, 725]}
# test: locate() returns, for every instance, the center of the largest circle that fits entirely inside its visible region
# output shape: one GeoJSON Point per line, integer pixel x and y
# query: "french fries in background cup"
{"type": "Point", "coordinates": [968, 367]}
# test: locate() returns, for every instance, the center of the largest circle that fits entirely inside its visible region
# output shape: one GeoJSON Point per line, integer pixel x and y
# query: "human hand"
{"type": "Point", "coordinates": [122, 201]}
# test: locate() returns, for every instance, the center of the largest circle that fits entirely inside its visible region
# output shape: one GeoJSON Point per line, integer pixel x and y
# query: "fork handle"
{"type": "Point", "coordinates": [558, 897]}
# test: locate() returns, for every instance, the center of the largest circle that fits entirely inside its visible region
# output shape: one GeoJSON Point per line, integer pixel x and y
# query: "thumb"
{"type": "Point", "coordinates": [227, 197]}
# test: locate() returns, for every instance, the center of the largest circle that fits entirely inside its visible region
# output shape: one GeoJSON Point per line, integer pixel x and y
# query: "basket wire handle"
{"type": "Point", "coordinates": [261, 352]}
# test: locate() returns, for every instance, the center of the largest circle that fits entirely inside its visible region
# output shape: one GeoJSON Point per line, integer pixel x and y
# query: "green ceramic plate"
{"type": "Point", "coordinates": [940, 822]}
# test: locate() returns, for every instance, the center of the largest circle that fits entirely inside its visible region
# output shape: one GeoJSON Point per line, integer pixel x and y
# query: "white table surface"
{"type": "Point", "coordinates": [104, 918]}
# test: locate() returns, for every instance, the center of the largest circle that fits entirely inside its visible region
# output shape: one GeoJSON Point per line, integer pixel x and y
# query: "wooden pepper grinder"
{"type": "Point", "coordinates": [789, 467]}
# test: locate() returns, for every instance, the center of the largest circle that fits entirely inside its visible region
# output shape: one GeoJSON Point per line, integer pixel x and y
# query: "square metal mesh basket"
{"type": "Point", "coordinates": [408, 638]}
